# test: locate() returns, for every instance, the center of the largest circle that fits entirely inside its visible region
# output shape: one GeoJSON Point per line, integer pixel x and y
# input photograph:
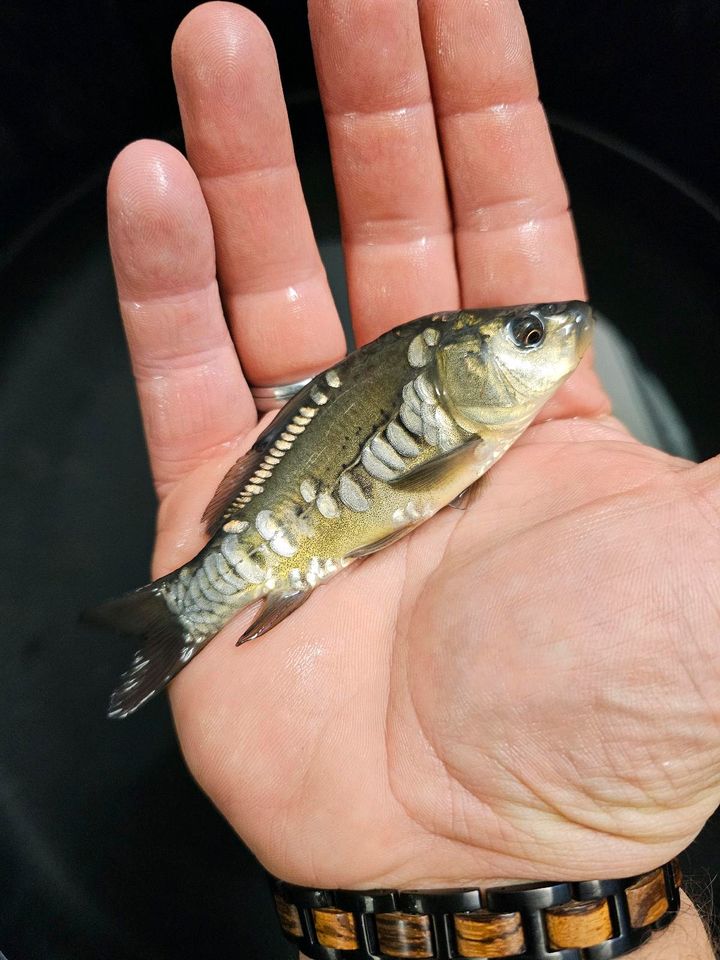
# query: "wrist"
{"type": "Point", "coordinates": [685, 939]}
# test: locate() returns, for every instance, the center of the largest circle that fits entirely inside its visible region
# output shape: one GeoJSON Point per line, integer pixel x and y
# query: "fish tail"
{"type": "Point", "coordinates": [166, 645]}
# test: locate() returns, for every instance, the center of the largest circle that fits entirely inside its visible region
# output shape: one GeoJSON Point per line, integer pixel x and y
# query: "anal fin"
{"type": "Point", "coordinates": [276, 606]}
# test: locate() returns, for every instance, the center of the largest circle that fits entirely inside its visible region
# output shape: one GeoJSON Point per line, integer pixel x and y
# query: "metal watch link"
{"type": "Point", "coordinates": [585, 920]}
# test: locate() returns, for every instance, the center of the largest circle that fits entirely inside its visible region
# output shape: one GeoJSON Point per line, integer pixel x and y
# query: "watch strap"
{"type": "Point", "coordinates": [585, 920]}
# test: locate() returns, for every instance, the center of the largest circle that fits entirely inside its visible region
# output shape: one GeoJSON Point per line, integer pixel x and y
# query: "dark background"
{"type": "Point", "coordinates": [107, 849]}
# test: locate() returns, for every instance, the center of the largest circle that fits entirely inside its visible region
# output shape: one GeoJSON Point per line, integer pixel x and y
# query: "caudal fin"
{"type": "Point", "coordinates": [143, 613]}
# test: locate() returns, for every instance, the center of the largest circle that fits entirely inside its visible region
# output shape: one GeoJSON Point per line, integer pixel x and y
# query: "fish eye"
{"type": "Point", "coordinates": [527, 331]}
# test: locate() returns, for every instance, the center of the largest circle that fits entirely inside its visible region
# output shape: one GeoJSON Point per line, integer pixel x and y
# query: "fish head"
{"type": "Point", "coordinates": [496, 368]}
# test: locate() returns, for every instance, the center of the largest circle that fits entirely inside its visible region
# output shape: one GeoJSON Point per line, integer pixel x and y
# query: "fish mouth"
{"type": "Point", "coordinates": [580, 324]}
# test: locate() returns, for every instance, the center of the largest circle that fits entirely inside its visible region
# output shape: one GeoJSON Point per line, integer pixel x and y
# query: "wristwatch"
{"type": "Point", "coordinates": [585, 920]}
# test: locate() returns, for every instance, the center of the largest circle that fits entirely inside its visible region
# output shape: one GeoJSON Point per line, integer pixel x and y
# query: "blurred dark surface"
{"type": "Point", "coordinates": [107, 849]}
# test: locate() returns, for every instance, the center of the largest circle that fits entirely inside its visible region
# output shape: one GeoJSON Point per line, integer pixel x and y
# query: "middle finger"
{"type": "Point", "coordinates": [275, 292]}
{"type": "Point", "coordinates": [396, 222]}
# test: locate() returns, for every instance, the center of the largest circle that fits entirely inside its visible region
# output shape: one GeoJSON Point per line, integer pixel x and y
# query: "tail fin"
{"type": "Point", "coordinates": [143, 613]}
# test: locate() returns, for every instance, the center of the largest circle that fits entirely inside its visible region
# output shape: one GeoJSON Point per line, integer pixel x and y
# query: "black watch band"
{"type": "Point", "coordinates": [586, 920]}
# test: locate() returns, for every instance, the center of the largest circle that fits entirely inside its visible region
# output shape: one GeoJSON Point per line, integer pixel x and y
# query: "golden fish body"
{"type": "Point", "coordinates": [364, 453]}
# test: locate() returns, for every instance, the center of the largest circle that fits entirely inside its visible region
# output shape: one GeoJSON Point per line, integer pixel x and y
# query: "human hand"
{"type": "Point", "coordinates": [522, 690]}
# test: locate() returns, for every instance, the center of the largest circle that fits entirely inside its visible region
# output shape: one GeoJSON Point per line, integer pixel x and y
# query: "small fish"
{"type": "Point", "coordinates": [366, 452]}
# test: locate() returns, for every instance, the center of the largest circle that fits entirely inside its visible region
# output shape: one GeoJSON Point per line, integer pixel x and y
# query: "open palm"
{"type": "Point", "coordinates": [519, 690]}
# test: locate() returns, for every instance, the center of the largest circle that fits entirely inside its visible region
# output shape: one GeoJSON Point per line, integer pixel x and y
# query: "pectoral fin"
{"type": "Point", "coordinates": [276, 607]}
{"type": "Point", "coordinates": [380, 544]}
{"type": "Point", "coordinates": [437, 470]}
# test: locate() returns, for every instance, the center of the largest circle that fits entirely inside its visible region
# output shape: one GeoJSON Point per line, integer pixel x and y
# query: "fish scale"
{"type": "Point", "coordinates": [364, 453]}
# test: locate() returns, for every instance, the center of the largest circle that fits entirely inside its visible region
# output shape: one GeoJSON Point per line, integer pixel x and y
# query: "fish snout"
{"type": "Point", "coordinates": [581, 322]}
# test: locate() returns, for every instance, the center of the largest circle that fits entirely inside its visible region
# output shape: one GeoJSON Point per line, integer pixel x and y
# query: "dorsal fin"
{"type": "Point", "coordinates": [312, 397]}
{"type": "Point", "coordinates": [230, 488]}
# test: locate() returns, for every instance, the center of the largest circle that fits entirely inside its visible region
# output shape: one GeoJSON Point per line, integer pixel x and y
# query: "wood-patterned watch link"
{"type": "Point", "coordinates": [288, 916]}
{"type": "Point", "coordinates": [404, 935]}
{"type": "Point", "coordinates": [578, 924]}
{"type": "Point", "coordinates": [542, 921]}
{"type": "Point", "coordinates": [647, 898]}
{"type": "Point", "coordinates": [335, 928]}
{"type": "Point", "coordinates": [483, 934]}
